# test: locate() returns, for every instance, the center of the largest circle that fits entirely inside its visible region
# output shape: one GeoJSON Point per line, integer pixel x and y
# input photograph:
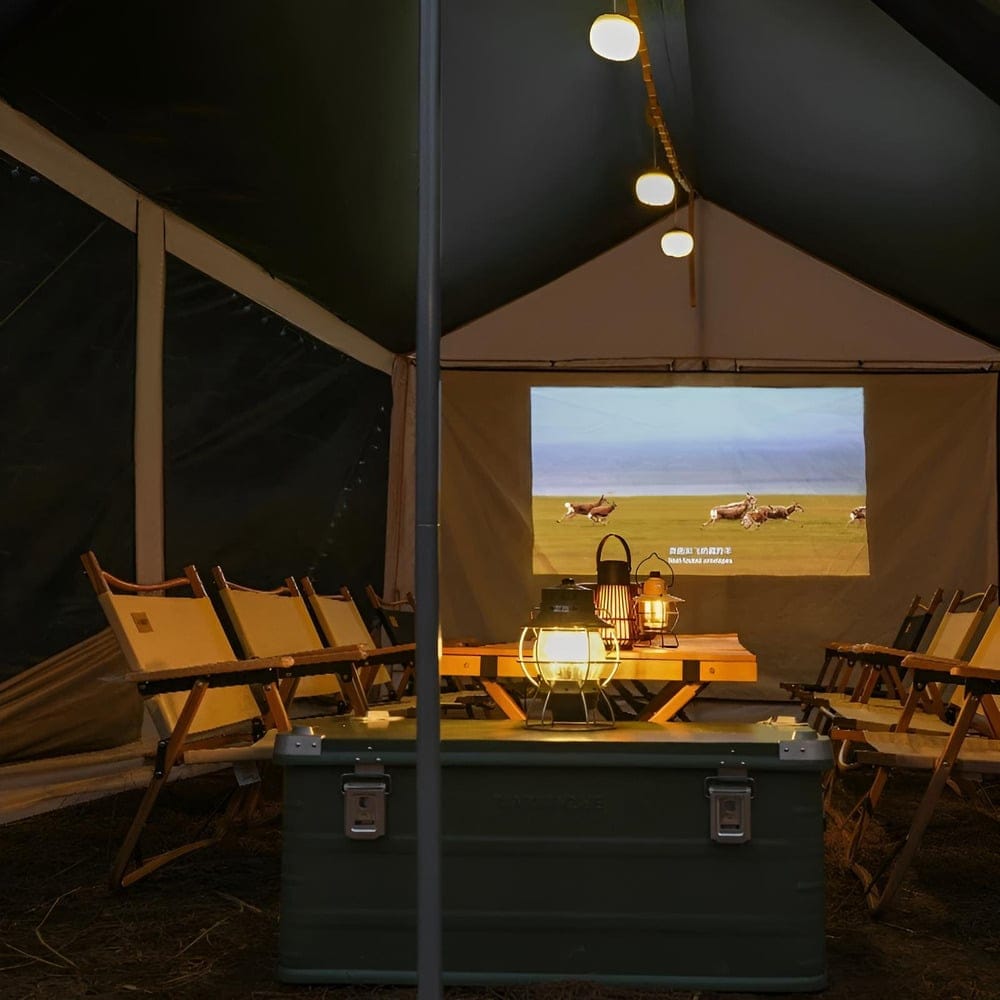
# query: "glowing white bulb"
{"type": "Point", "coordinates": [614, 37]}
{"type": "Point", "coordinates": [677, 243]}
{"type": "Point", "coordinates": [655, 188]}
{"type": "Point", "coordinates": [569, 654]}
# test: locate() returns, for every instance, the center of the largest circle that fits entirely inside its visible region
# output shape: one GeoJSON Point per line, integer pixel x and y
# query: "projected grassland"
{"type": "Point", "coordinates": [816, 541]}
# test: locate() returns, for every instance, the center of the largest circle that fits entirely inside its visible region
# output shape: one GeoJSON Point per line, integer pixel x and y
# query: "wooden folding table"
{"type": "Point", "coordinates": [684, 671]}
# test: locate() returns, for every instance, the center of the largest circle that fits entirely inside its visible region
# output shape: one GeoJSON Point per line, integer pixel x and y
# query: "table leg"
{"type": "Point", "coordinates": [503, 700]}
{"type": "Point", "coordinates": [665, 709]}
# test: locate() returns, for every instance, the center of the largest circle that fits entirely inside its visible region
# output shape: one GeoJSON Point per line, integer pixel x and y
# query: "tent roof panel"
{"type": "Point", "coordinates": [288, 132]}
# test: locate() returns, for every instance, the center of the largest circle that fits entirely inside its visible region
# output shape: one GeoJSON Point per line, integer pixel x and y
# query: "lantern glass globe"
{"type": "Point", "coordinates": [654, 187]}
{"type": "Point", "coordinates": [677, 243]}
{"type": "Point", "coordinates": [614, 37]}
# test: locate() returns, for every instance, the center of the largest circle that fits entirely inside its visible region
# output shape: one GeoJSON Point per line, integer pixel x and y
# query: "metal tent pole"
{"type": "Point", "coordinates": [428, 351]}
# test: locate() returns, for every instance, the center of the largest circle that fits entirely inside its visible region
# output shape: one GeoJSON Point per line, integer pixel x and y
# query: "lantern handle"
{"type": "Point", "coordinates": [628, 551]}
{"type": "Point", "coordinates": [666, 562]}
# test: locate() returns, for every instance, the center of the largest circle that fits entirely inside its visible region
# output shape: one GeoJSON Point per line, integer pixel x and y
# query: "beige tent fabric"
{"type": "Point", "coordinates": [69, 703]}
{"type": "Point", "coordinates": [761, 301]}
{"type": "Point", "coordinates": [932, 498]}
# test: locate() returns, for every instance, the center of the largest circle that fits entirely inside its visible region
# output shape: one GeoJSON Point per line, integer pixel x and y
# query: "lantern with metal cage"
{"type": "Point", "coordinates": [564, 656]}
{"type": "Point", "coordinates": [656, 610]}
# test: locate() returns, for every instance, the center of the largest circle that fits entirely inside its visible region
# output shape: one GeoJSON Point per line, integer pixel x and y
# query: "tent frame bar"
{"type": "Point", "coordinates": [70, 170]}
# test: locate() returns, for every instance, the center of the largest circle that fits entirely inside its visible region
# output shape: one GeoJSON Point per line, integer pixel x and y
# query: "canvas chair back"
{"type": "Point", "coordinates": [271, 623]}
{"type": "Point", "coordinates": [160, 631]}
{"type": "Point", "coordinates": [339, 618]}
{"type": "Point", "coordinates": [954, 632]}
{"type": "Point", "coordinates": [915, 622]}
{"type": "Point", "coordinates": [396, 618]}
{"type": "Point", "coordinates": [987, 653]}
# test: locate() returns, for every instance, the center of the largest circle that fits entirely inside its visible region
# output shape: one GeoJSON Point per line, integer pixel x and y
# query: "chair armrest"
{"type": "Point", "coordinates": [981, 673]}
{"type": "Point", "coordinates": [921, 661]}
{"type": "Point", "coordinates": [403, 653]}
{"type": "Point", "coordinates": [231, 672]}
{"type": "Point", "coordinates": [873, 649]}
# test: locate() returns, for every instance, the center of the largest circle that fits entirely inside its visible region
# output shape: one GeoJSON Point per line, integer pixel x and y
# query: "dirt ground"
{"type": "Point", "coordinates": [207, 926]}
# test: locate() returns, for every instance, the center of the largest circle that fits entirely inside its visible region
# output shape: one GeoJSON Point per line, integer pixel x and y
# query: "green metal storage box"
{"type": "Point", "coordinates": [685, 856]}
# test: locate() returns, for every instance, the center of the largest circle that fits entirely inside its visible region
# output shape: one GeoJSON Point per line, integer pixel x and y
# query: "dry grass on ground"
{"type": "Point", "coordinates": [207, 927]}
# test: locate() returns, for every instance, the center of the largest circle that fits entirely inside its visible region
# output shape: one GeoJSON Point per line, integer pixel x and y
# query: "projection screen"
{"type": "Point", "coordinates": [778, 474]}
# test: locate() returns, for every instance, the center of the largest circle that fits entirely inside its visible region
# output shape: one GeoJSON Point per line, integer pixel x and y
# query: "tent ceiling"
{"type": "Point", "coordinates": [864, 133]}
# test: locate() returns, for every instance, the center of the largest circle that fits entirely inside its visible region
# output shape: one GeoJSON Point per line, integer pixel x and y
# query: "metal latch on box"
{"type": "Point", "coordinates": [729, 795]}
{"type": "Point", "coordinates": [365, 792]}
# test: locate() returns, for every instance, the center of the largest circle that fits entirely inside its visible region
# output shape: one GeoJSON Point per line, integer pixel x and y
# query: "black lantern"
{"type": "Point", "coordinates": [614, 595]}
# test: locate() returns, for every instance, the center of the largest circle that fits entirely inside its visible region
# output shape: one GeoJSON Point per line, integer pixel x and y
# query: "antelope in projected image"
{"type": "Point", "coordinates": [857, 515]}
{"type": "Point", "coordinates": [598, 511]}
{"type": "Point", "coordinates": [734, 511]}
{"type": "Point", "coordinates": [770, 512]}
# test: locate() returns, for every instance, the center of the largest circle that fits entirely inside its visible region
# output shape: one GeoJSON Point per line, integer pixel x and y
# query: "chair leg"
{"type": "Point", "coordinates": [894, 873]}
{"type": "Point", "coordinates": [164, 766]}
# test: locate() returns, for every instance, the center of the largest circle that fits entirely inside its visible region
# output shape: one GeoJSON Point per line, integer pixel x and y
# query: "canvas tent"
{"type": "Point", "coordinates": [843, 154]}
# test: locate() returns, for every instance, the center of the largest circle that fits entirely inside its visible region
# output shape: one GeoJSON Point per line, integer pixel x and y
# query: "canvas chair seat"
{"type": "Point", "coordinates": [884, 715]}
{"type": "Point", "coordinates": [920, 752]}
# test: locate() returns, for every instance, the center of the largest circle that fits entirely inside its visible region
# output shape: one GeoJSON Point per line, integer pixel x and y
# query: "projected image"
{"type": "Point", "coordinates": [720, 480]}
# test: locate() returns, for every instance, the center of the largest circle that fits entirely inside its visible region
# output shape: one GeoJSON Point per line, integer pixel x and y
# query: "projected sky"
{"type": "Point", "coordinates": [696, 440]}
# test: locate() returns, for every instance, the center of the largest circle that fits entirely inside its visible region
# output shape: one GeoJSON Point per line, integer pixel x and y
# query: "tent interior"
{"type": "Point", "coordinates": [207, 303]}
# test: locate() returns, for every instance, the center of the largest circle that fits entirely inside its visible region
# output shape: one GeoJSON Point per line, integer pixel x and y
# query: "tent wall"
{"type": "Point", "coordinates": [275, 444]}
{"type": "Point", "coordinates": [67, 330]}
{"type": "Point", "coordinates": [931, 469]}
{"type": "Point", "coordinates": [759, 300]}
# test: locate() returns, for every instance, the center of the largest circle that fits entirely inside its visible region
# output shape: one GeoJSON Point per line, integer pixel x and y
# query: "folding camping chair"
{"type": "Point", "coordinates": [837, 671]}
{"type": "Point", "coordinates": [273, 622]}
{"type": "Point", "coordinates": [341, 624]}
{"type": "Point", "coordinates": [843, 716]}
{"type": "Point", "coordinates": [197, 694]}
{"type": "Point", "coordinates": [950, 758]}
{"type": "Point", "coordinates": [860, 709]}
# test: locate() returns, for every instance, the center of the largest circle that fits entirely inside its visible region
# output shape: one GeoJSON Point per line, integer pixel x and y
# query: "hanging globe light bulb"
{"type": "Point", "coordinates": [654, 187]}
{"type": "Point", "coordinates": [677, 243]}
{"type": "Point", "coordinates": [614, 37]}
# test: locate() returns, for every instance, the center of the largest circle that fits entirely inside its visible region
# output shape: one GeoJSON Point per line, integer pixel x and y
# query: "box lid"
{"type": "Point", "coordinates": [483, 743]}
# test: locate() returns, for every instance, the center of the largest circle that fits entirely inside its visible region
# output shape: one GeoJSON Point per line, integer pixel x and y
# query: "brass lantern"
{"type": "Point", "coordinates": [564, 657]}
{"type": "Point", "coordinates": [656, 610]}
